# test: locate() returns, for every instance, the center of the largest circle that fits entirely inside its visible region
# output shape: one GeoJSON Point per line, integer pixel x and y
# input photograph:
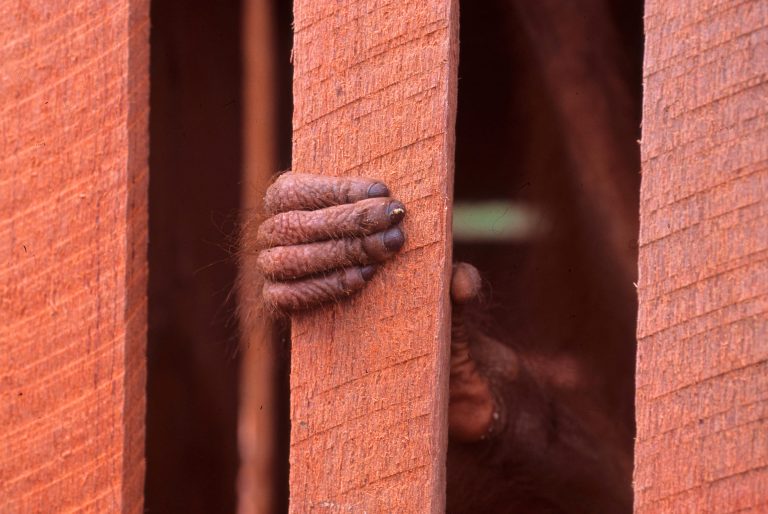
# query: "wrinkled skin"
{"type": "Point", "coordinates": [512, 416]}
{"type": "Point", "coordinates": [530, 431]}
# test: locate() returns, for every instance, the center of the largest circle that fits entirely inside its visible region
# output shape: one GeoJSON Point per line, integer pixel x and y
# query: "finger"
{"type": "Point", "coordinates": [290, 262]}
{"type": "Point", "coordinates": [304, 191]}
{"type": "Point", "coordinates": [465, 288]}
{"type": "Point", "coordinates": [303, 294]}
{"type": "Point", "coordinates": [472, 411]}
{"type": "Point", "coordinates": [355, 219]}
{"type": "Point", "coordinates": [465, 283]}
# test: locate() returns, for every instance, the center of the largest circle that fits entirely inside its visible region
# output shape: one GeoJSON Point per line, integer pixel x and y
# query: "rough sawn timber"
{"type": "Point", "coordinates": [73, 239]}
{"type": "Point", "coordinates": [702, 369]}
{"type": "Point", "coordinates": [374, 95]}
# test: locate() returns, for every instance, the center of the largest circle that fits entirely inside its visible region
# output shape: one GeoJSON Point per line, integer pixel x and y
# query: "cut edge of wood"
{"type": "Point", "coordinates": [136, 269]}
{"type": "Point", "coordinates": [444, 336]}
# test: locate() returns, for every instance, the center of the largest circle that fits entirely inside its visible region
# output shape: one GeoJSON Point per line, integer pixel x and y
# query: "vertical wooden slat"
{"type": "Point", "coordinates": [374, 95]}
{"type": "Point", "coordinates": [256, 423]}
{"type": "Point", "coordinates": [73, 238]}
{"type": "Point", "coordinates": [702, 373]}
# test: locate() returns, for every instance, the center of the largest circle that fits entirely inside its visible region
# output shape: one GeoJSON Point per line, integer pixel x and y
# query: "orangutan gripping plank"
{"type": "Point", "coordinates": [326, 238]}
{"type": "Point", "coordinates": [540, 415]}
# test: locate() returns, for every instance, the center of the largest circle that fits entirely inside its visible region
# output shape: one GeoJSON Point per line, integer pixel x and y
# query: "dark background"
{"type": "Point", "coordinates": [195, 162]}
{"type": "Point", "coordinates": [508, 144]}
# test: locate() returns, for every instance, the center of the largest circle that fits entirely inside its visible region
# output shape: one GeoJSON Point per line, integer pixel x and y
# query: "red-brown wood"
{"type": "Point", "coordinates": [258, 409]}
{"type": "Point", "coordinates": [374, 95]}
{"type": "Point", "coordinates": [702, 373]}
{"type": "Point", "coordinates": [73, 239]}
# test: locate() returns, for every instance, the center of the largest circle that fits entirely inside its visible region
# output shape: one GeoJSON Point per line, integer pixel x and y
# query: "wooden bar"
{"type": "Point", "coordinates": [375, 95]}
{"type": "Point", "coordinates": [258, 409]}
{"type": "Point", "coordinates": [702, 370]}
{"type": "Point", "coordinates": [73, 240]}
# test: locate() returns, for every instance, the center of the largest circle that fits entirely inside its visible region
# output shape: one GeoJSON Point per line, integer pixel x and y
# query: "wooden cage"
{"type": "Point", "coordinates": [374, 91]}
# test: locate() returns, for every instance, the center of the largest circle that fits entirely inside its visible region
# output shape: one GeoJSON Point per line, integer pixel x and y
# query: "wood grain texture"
{"type": "Point", "coordinates": [73, 238]}
{"type": "Point", "coordinates": [374, 95]}
{"type": "Point", "coordinates": [702, 371]}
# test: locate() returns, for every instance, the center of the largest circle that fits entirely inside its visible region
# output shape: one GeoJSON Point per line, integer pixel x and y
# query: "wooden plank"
{"type": "Point", "coordinates": [258, 408]}
{"type": "Point", "coordinates": [702, 379]}
{"type": "Point", "coordinates": [374, 95]}
{"type": "Point", "coordinates": [73, 239]}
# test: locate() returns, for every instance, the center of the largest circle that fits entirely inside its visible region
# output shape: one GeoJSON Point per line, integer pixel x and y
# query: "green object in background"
{"type": "Point", "coordinates": [494, 221]}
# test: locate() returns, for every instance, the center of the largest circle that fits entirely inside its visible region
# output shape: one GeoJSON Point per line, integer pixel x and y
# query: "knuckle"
{"type": "Point", "coordinates": [341, 283]}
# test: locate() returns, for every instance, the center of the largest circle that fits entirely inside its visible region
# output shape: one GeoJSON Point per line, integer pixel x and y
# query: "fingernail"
{"type": "Point", "coordinates": [378, 189]}
{"type": "Point", "coordinates": [368, 272]}
{"type": "Point", "coordinates": [393, 239]}
{"type": "Point", "coordinates": [396, 211]}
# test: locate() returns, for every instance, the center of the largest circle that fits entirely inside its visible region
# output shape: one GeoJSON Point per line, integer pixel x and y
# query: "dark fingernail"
{"type": "Point", "coordinates": [393, 239]}
{"type": "Point", "coordinates": [396, 212]}
{"type": "Point", "coordinates": [368, 272]}
{"type": "Point", "coordinates": [377, 190]}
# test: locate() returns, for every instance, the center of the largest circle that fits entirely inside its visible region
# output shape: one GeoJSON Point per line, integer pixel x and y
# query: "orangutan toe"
{"type": "Point", "coordinates": [465, 283]}
{"type": "Point", "coordinates": [296, 261]}
{"type": "Point", "coordinates": [324, 238]}
{"type": "Point", "coordinates": [304, 191]}
{"type": "Point", "coordinates": [349, 220]}
{"type": "Point", "coordinates": [471, 409]}
{"type": "Point", "coordinates": [297, 295]}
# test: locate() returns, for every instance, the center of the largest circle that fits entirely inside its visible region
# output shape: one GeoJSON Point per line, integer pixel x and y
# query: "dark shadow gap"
{"type": "Point", "coordinates": [523, 214]}
{"type": "Point", "coordinates": [195, 161]}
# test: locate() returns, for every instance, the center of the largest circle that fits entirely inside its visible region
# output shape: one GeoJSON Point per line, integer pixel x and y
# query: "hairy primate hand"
{"type": "Point", "coordinates": [323, 241]}
{"type": "Point", "coordinates": [325, 238]}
